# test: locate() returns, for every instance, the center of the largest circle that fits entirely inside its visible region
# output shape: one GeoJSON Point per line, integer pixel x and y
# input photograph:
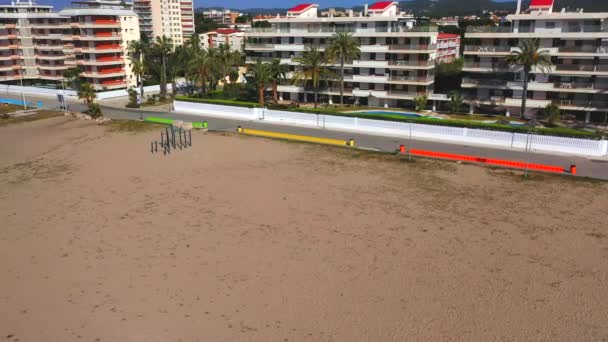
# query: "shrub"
{"type": "Point", "coordinates": [94, 110]}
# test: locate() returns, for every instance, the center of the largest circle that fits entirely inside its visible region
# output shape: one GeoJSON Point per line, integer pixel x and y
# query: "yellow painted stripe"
{"type": "Point", "coordinates": [306, 138]}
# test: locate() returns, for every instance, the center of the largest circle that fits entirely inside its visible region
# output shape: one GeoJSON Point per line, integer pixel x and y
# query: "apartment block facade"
{"type": "Point", "coordinates": [226, 17]}
{"type": "Point", "coordinates": [397, 57]}
{"type": "Point", "coordinates": [577, 43]}
{"type": "Point", "coordinates": [228, 37]}
{"type": "Point", "coordinates": [448, 47]}
{"type": "Point", "coordinates": [39, 45]}
{"type": "Point", "coordinates": [32, 43]}
{"type": "Point", "coordinates": [170, 18]}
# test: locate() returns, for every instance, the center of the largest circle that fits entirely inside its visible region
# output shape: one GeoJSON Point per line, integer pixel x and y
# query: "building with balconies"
{"type": "Point", "coordinates": [100, 32]}
{"type": "Point", "coordinates": [577, 43]}
{"type": "Point", "coordinates": [31, 43]}
{"type": "Point", "coordinates": [397, 57]}
{"type": "Point", "coordinates": [38, 45]}
{"type": "Point", "coordinates": [170, 18]}
{"type": "Point", "coordinates": [448, 47]}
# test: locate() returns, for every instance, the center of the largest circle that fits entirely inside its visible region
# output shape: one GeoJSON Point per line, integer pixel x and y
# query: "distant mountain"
{"type": "Point", "coordinates": [442, 8]}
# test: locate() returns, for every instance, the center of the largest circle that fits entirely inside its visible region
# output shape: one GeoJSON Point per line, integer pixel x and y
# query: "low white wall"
{"type": "Point", "coordinates": [100, 96]}
{"type": "Point", "coordinates": [35, 90]}
{"type": "Point", "coordinates": [506, 140]}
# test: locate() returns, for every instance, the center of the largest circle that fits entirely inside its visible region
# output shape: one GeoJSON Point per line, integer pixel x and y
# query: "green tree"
{"type": "Point", "coordinates": [420, 102]}
{"type": "Point", "coordinates": [456, 102]}
{"type": "Point", "coordinates": [243, 19]}
{"type": "Point", "coordinates": [278, 72]}
{"type": "Point", "coordinates": [72, 77]}
{"type": "Point", "coordinates": [201, 68]}
{"type": "Point", "coordinates": [261, 24]}
{"type": "Point", "coordinates": [552, 113]}
{"type": "Point", "coordinates": [132, 98]}
{"type": "Point", "coordinates": [163, 46]}
{"type": "Point", "coordinates": [87, 93]}
{"type": "Point", "coordinates": [312, 69]}
{"type": "Point", "coordinates": [343, 47]}
{"type": "Point", "coordinates": [262, 75]}
{"type": "Point", "coordinates": [529, 55]}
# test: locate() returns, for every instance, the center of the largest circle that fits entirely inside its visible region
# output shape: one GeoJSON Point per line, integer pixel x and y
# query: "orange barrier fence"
{"type": "Point", "coordinates": [499, 162]}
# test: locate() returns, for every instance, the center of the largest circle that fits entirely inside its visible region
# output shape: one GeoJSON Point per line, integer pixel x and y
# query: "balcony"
{"type": "Point", "coordinates": [411, 79]}
{"type": "Point", "coordinates": [370, 78]}
{"type": "Point", "coordinates": [488, 29]}
{"type": "Point", "coordinates": [575, 67]}
{"type": "Point", "coordinates": [487, 66]}
{"type": "Point", "coordinates": [411, 63]}
{"type": "Point", "coordinates": [584, 28]}
{"type": "Point", "coordinates": [583, 49]}
{"type": "Point", "coordinates": [256, 46]}
{"type": "Point", "coordinates": [414, 47]}
{"type": "Point", "coordinates": [487, 48]}
{"type": "Point", "coordinates": [576, 104]}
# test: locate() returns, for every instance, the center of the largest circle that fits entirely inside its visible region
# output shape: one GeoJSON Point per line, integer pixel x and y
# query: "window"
{"type": "Point", "coordinates": [550, 25]}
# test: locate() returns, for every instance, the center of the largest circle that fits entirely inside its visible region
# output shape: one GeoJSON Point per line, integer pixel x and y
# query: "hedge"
{"type": "Point", "coordinates": [219, 102]}
{"type": "Point", "coordinates": [556, 131]}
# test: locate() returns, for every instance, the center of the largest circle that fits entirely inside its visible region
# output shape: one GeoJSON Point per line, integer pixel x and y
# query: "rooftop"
{"type": "Point", "coordinates": [541, 3]}
{"type": "Point", "coordinates": [381, 5]}
{"type": "Point", "coordinates": [300, 8]}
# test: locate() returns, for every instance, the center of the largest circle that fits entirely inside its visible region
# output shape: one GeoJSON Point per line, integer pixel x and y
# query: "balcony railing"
{"type": "Point", "coordinates": [410, 78]}
{"type": "Point", "coordinates": [584, 49]}
{"type": "Point", "coordinates": [412, 47]}
{"type": "Point", "coordinates": [575, 67]}
{"type": "Point", "coordinates": [410, 63]}
{"type": "Point", "coordinates": [584, 28]}
{"type": "Point", "coordinates": [486, 65]}
{"type": "Point", "coordinates": [494, 83]}
{"type": "Point", "coordinates": [259, 46]}
{"type": "Point", "coordinates": [582, 103]}
{"type": "Point", "coordinates": [488, 29]}
{"type": "Point", "coordinates": [487, 48]}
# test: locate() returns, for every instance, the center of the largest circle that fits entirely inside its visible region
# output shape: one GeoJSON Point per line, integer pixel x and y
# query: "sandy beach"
{"type": "Point", "coordinates": [249, 239]}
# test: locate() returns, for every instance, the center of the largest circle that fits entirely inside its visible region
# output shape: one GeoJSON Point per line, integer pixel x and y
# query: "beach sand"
{"type": "Point", "coordinates": [249, 239]}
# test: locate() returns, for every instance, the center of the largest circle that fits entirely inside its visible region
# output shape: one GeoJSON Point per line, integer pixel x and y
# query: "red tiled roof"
{"type": "Point", "coordinates": [541, 3]}
{"type": "Point", "coordinates": [227, 31]}
{"type": "Point", "coordinates": [447, 36]}
{"type": "Point", "coordinates": [380, 6]}
{"type": "Point", "coordinates": [300, 8]}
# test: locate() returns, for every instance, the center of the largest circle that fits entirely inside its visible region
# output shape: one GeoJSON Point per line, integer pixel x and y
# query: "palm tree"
{"type": "Point", "coordinates": [343, 47]}
{"type": "Point", "coordinates": [313, 68]}
{"type": "Point", "coordinates": [135, 50]}
{"type": "Point", "coordinates": [163, 46]}
{"type": "Point", "coordinates": [262, 75]}
{"type": "Point", "coordinates": [278, 72]}
{"type": "Point", "coordinates": [200, 67]}
{"type": "Point", "coordinates": [529, 55]}
{"type": "Point", "coordinates": [87, 93]}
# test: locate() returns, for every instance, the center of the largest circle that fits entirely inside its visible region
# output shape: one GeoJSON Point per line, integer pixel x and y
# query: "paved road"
{"type": "Point", "coordinates": [586, 167]}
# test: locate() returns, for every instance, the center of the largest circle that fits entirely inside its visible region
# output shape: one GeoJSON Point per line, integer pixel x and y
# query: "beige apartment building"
{"type": "Point", "coordinates": [578, 45]}
{"type": "Point", "coordinates": [170, 18]}
{"type": "Point", "coordinates": [397, 57]}
{"type": "Point", "coordinates": [38, 45]}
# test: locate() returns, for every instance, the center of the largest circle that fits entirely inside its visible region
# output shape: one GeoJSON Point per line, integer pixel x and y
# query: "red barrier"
{"type": "Point", "coordinates": [499, 162]}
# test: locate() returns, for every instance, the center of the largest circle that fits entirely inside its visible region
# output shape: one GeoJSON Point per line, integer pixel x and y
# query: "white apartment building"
{"type": "Point", "coordinates": [226, 17]}
{"type": "Point", "coordinates": [224, 36]}
{"type": "Point", "coordinates": [170, 18]}
{"type": "Point", "coordinates": [397, 57]}
{"type": "Point", "coordinates": [38, 45]}
{"type": "Point", "coordinates": [578, 45]}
